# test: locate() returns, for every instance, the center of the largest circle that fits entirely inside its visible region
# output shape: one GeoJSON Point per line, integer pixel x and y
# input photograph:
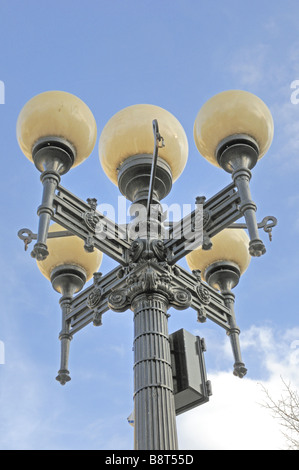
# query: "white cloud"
{"type": "Point", "coordinates": [234, 418]}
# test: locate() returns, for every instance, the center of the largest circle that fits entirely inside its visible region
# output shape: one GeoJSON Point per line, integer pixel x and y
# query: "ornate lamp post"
{"type": "Point", "coordinates": [57, 131]}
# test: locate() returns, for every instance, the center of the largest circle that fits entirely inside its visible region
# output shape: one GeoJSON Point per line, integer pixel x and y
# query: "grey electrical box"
{"type": "Point", "coordinates": [191, 387]}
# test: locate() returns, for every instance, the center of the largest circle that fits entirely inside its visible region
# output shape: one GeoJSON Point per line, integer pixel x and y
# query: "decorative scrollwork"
{"type": "Point", "coordinates": [203, 294]}
{"type": "Point", "coordinates": [142, 250]}
{"type": "Point", "coordinates": [182, 298]}
{"type": "Point", "coordinates": [91, 220]}
{"type": "Point", "coordinates": [118, 301]}
{"type": "Point", "coordinates": [150, 277]}
{"type": "Point", "coordinates": [136, 249]}
{"type": "Point", "coordinates": [94, 298]}
{"type": "Point", "coordinates": [144, 281]}
{"type": "Point", "coordinates": [158, 249]}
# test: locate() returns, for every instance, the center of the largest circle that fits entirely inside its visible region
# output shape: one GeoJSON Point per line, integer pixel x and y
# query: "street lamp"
{"type": "Point", "coordinates": [69, 266]}
{"type": "Point", "coordinates": [221, 267]}
{"type": "Point", "coordinates": [143, 149]}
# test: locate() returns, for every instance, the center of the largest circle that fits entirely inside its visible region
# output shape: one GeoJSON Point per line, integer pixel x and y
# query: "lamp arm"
{"type": "Point", "coordinates": [233, 333]}
{"type": "Point", "coordinates": [97, 230]}
{"type": "Point", "coordinates": [53, 157]}
{"type": "Point", "coordinates": [248, 208]}
{"type": "Point", "coordinates": [65, 338]}
{"type": "Point", "coordinates": [218, 212]}
{"type": "Point", "coordinates": [50, 180]}
{"type": "Point", "coordinates": [81, 219]}
{"type": "Point", "coordinates": [90, 304]}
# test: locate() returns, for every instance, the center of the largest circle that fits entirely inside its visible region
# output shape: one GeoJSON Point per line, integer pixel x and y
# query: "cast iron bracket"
{"type": "Point", "coordinates": [146, 266]}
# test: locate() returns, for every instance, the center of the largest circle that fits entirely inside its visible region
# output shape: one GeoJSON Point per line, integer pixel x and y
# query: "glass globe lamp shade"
{"type": "Point", "coordinates": [229, 245]}
{"type": "Point", "coordinates": [229, 113]}
{"type": "Point", "coordinates": [57, 114]}
{"type": "Point", "coordinates": [69, 250]}
{"type": "Point", "coordinates": [130, 132]}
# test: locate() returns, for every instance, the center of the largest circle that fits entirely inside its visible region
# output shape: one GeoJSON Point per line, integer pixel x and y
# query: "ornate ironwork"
{"type": "Point", "coordinates": [203, 294]}
{"type": "Point", "coordinates": [147, 278]}
{"type": "Point", "coordinates": [94, 298]}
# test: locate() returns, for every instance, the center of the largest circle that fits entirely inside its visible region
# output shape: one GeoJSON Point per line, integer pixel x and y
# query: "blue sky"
{"type": "Point", "coordinates": [174, 54]}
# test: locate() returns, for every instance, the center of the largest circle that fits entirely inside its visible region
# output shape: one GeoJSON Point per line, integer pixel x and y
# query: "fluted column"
{"type": "Point", "coordinates": [155, 419]}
